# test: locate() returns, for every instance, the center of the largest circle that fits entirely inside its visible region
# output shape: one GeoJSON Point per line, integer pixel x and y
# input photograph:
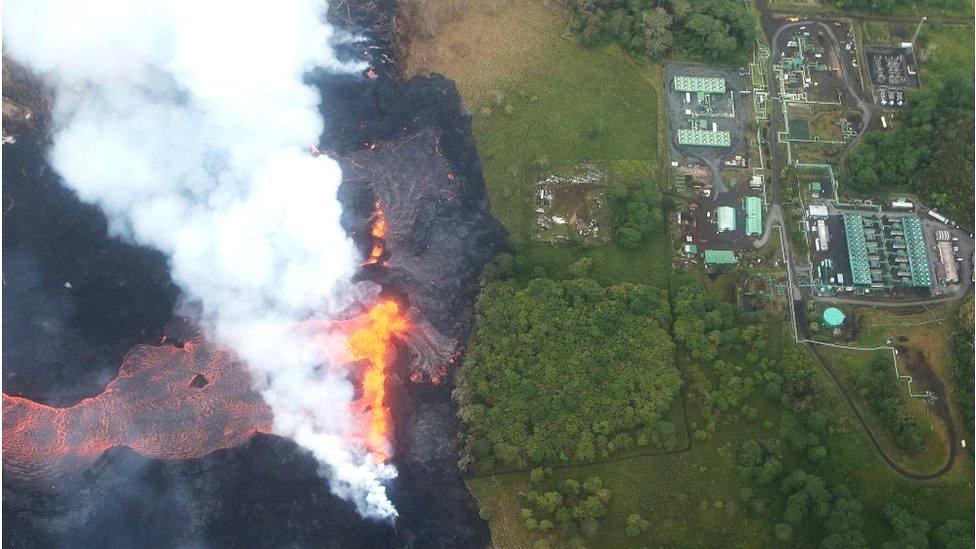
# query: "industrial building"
{"type": "Point", "coordinates": [725, 218]}
{"type": "Point", "coordinates": [822, 242]}
{"type": "Point", "coordinates": [887, 252]}
{"type": "Point", "coordinates": [754, 222]}
{"type": "Point", "coordinates": [918, 261]}
{"type": "Point", "coordinates": [699, 84]}
{"type": "Point", "coordinates": [719, 257]}
{"type": "Point", "coordinates": [704, 138]}
{"type": "Point", "coordinates": [950, 271]}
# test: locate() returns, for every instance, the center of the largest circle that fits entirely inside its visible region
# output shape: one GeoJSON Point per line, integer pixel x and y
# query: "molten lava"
{"type": "Point", "coordinates": [185, 402]}
{"type": "Point", "coordinates": [374, 343]}
{"type": "Point", "coordinates": [378, 234]}
{"type": "Point", "coordinates": [158, 405]}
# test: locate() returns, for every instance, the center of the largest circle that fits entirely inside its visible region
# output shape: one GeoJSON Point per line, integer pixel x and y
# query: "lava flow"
{"type": "Point", "coordinates": [374, 343]}
{"type": "Point", "coordinates": [378, 235]}
{"type": "Point", "coordinates": [185, 402]}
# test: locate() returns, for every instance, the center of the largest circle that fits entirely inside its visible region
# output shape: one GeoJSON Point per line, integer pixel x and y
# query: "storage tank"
{"type": "Point", "coordinates": [833, 317]}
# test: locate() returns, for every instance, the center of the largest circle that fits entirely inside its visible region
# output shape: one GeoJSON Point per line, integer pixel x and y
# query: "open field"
{"type": "Point", "coordinates": [949, 49]}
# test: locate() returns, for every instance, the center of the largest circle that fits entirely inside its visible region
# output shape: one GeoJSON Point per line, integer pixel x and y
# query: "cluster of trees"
{"type": "Point", "coordinates": [887, 6]}
{"type": "Point", "coordinates": [876, 385]}
{"type": "Point", "coordinates": [571, 507]}
{"type": "Point", "coordinates": [566, 372]}
{"type": "Point", "coordinates": [962, 363]}
{"type": "Point", "coordinates": [915, 532]}
{"type": "Point", "coordinates": [930, 153]}
{"type": "Point", "coordinates": [716, 29]}
{"type": "Point", "coordinates": [635, 213]}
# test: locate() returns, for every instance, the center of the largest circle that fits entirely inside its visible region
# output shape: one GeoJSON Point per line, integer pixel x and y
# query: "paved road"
{"type": "Point", "coordinates": [773, 217]}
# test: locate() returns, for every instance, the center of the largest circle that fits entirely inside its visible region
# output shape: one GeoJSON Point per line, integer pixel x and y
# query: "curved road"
{"type": "Point", "coordinates": [950, 427]}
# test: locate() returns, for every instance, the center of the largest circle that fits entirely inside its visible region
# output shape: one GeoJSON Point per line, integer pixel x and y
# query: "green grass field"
{"type": "Point", "coordinates": [590, 106]}
{"type": "Point", "coordinates": [949, 49]}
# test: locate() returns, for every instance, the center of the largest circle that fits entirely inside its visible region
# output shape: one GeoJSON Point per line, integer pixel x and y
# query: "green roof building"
{"type": "Point", "coordinates": [857, 249]}
{"type": "Point", "coordinates": [695, 84]}
{"type": "Point", "coordinates": [754, 220]}
{"type": "Point", "coordinates": [918, 262]}
{"type": "Point", "coordinates": [725, 218]}
{"type": "Point", "coordinates": [719, 257]}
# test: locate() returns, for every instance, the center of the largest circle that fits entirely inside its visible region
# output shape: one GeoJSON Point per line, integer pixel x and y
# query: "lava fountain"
{"type": "Point", "coordinates": [374, 343]}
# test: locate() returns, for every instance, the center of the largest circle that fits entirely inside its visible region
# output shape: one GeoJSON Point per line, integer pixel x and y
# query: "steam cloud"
{"type": "Point", "coordinates": [188, 123]}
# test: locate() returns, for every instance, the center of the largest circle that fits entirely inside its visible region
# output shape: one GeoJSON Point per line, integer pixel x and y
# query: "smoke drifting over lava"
{"type": "Point", "coordinates": [189, 124]}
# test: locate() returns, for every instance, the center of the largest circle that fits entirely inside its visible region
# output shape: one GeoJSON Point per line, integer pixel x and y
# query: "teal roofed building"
{"type": "Point", "coordinates": [725, 218]}
{"type": "Point", "coordinates": [719, 257]}
{"type": "Point", "coordinates": [754, 221]}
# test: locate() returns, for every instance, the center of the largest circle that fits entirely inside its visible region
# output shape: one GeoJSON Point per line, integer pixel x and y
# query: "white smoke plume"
{"type": "Point", "coordinates": [188, 123]}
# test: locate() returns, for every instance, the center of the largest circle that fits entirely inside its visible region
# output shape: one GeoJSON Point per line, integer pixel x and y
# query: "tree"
{"type": "Point", "coordinates": [954, 534]}
{"type": "Point", "coordinates": [636, 524]}
{"type": "Point", "coordinates": [656, 25]}
{"type": "Point", "coordinates": [783, 531]}
{"type": "Point", "coordinates": [581, 267]}
{"type": "Point", "coordinates": [629, 237]}
{"type": "Point", "coordinates": [910, 531]}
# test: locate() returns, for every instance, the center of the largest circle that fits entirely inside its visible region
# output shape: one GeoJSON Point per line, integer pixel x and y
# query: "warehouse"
{"type": "Point", "coordinates": [753, 215]}
{"type": "Point", "coordinates": [719, 257]}
{"type": "Point", "coordinates": [725, 218]}
{"type": "Point", "coordinates": [857, 249]}
{"type": "Point", "coordinates": [950, 271]}
{"type": "Point", "coordinates": [918, 261]}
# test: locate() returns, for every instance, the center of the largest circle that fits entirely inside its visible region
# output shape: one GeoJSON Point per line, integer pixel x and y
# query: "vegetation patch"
{"type": "Point", "coordinates": [704, 29]}
{"type": "Point", "coordinates": [563, 372]}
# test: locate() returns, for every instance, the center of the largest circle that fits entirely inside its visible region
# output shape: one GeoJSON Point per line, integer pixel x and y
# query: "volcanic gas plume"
{"type": "Point", "coordinates": [188, 124]}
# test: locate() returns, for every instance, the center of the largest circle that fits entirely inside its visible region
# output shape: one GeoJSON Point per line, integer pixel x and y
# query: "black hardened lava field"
{"type": "Point", "coordinates": [76, 300]}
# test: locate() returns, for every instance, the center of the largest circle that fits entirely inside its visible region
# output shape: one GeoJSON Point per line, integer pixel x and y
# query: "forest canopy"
{"type": "Point", "coordinates": [930, 153]}
{"type": "Point", "coordinates": [566, 372]}
{"type": "Point", "coordinates": [713, 29]}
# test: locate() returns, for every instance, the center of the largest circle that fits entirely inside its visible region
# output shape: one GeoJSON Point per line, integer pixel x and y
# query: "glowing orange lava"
{"type": "Point", "coordinates": [374, 343]}
{"type": "Point", "coordinates": [378, 233]}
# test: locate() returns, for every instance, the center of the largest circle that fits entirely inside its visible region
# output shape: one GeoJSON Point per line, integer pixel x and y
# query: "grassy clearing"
{"type": "Point", "coordinates": [876, 32]}
{"type": "Point", "coordinates": [949, 49]}
{"type": "Point", "coordinates": [550, 102]}
{"type": "Point", "coordinates": [590, 107]}
{"type": "Point", "coordinates": [934, 451]}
